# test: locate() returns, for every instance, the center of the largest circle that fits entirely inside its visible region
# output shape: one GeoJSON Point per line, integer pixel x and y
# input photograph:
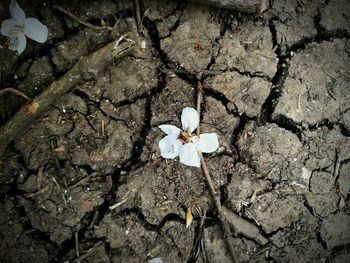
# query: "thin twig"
{"type": "Point", "coordinates": [103, 128]}
{"type": "Point", "coordinates": [138, 10]}
{"type": "Point", "coordinates": [224, 224]}
{"type": "Point", "coordinates": [39, 178]}
{"type": "Point", "coordinates": [14, 91]}
{"type": "Point", "coordinates": [82, 181]}
{"type": "Point", "coordinates": [126, 198]}
{"type": "Point", "coordinates": [81, 21]}
{"type": "Point", "coordinates": [94, 218]}
{"type": "Point", "coordinates": [89, 252]}
{"type": "Point", "coordinates": [337, 164]}
{"type": "Point", "coordinates": [199, 99]}
{"type": "Point", "coordinates": [59, 189]}
{"type": "Point", "coordinates": [42, 190]}
{"type": "Point", "coordinates": [76, 244]}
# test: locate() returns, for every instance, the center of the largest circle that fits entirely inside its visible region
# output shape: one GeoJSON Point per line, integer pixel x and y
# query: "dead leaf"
{"type": "Point", "coordinates": [31, 107]}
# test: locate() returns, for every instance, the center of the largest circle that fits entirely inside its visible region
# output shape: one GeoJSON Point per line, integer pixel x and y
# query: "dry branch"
{"type": "Point", "coordinates": [246, 6]}
{"type": "Point", "coordinates": [227, 218]}
{"type": "Point", "coordinates": [86, 68]}
{"type": "Point", "coordinates": [224, 224]}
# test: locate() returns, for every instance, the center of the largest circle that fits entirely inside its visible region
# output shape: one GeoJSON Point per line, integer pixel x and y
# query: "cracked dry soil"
{"type": "Point", "coordinates": [276, 92]}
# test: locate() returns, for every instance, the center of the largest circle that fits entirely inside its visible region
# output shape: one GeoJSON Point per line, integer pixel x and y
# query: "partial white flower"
{"type": "Point", "coordinates": [185, 145]}
{"type": "Point", "coordinates": [18, 27]}
{"type": "Point", "coordinates": [156, 260]}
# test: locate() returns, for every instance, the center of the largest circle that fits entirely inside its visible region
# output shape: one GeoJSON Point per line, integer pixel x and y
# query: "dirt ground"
{"type": "Point", "coordinates": [86, 182]}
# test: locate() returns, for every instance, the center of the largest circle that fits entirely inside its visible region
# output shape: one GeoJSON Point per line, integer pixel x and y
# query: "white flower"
{"type": "Point", "coordinates": [183, 144]}
{"type": "Point", "coordinates": [18, 27]}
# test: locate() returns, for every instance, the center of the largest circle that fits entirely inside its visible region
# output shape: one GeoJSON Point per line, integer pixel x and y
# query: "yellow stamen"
{"type": "Point", "coordinates": [185, 136]}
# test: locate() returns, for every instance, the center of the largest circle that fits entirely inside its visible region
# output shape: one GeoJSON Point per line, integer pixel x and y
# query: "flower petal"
{"type": "Point", "coordinates": [208, 142]}
{"type": "Point", "coordinates": [10, 27]}
{"type": "Point", "coordinates": [170, 129]}
{"type": "Point", "coordinates": [35, 30]}
{"type": "Point", "coordinates": [189, 155]}
{"type": "Point", "coordinates": [16, 12]}
{"type": "Point", "coordinates": [18, 43]}
{"type": "Point", "coordinates": [189, 119]}
{"type": "Point", "coordinates": [169, 146]}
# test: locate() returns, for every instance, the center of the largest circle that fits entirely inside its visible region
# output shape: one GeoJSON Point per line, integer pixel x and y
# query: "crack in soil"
{"type": "Point", "coordinates": [133, 162]}
{"type": "Point", "coordinates": [86, 233]}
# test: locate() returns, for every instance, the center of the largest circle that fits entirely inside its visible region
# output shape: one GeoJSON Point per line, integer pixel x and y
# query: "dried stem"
{"type": "Point", "coordinates": [14, 91]}
{"type": "Point", "coordinates": [246, 6]}
{"type": "Point", "coordinates": [81, 21]}
{"type": "Point", "coordinates": [42, 190]}
{"type": "Point", "coordinates": [224, 224]}
{"type": "Point", "coordinates": [89, 252]}
{"type": "Point", "coordinates": [82, 181]}
{"type": "Point", "coordinates": [59, 189]}
{"type": "Point", "coordinates": [138, 10]}
{"type": "Point", "coordinates": [76, 244]}
{"type": "Point", "coordinates": [199, 99]}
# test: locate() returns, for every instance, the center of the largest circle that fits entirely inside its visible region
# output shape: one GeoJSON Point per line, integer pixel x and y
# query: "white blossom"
{"type": "Point", "coordinates": [185, 145]}
{"type": "Point", "coordinates": [18, 27]}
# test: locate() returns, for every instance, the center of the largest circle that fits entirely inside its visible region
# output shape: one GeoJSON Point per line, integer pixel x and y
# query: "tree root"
{"type": "Point", "coordinates": [243, 227]}
{"type": "Point", "coordinates": [247, 6]}
{"type": "Point", "coordinates": [87, 68]}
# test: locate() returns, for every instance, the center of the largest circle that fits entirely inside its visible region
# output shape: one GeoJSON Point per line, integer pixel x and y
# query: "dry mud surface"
{"type": "Point", "coordinates": [276, 92]}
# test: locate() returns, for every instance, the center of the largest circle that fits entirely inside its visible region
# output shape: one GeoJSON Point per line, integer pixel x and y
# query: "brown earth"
{"type": "Point", "coordinates": [86, 181]}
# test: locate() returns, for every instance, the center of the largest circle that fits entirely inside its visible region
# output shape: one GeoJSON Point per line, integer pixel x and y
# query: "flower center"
{"type": "Point", "coordinates": [185, 136]}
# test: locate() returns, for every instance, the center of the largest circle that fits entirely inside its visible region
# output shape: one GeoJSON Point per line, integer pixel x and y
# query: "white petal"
{"type": "Point", "coordinates": [170, 129]}
{"type": "Point", "coordinates": [18, 43]}
{"type": "Point", "coordinates": [11, 27]}
{"type": "Point", "coordinates": [16, 12]}
{"type": "Point", "coordinates": [208, 142]}
{"type": "Point", "coordinates": [169, 146]}
{"type": "Point", "coordinates": [189, 155]}
{"type": "Point", "coordinates": [189, 119]}
{"type": "Point", "coordinates": [35, 30]}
